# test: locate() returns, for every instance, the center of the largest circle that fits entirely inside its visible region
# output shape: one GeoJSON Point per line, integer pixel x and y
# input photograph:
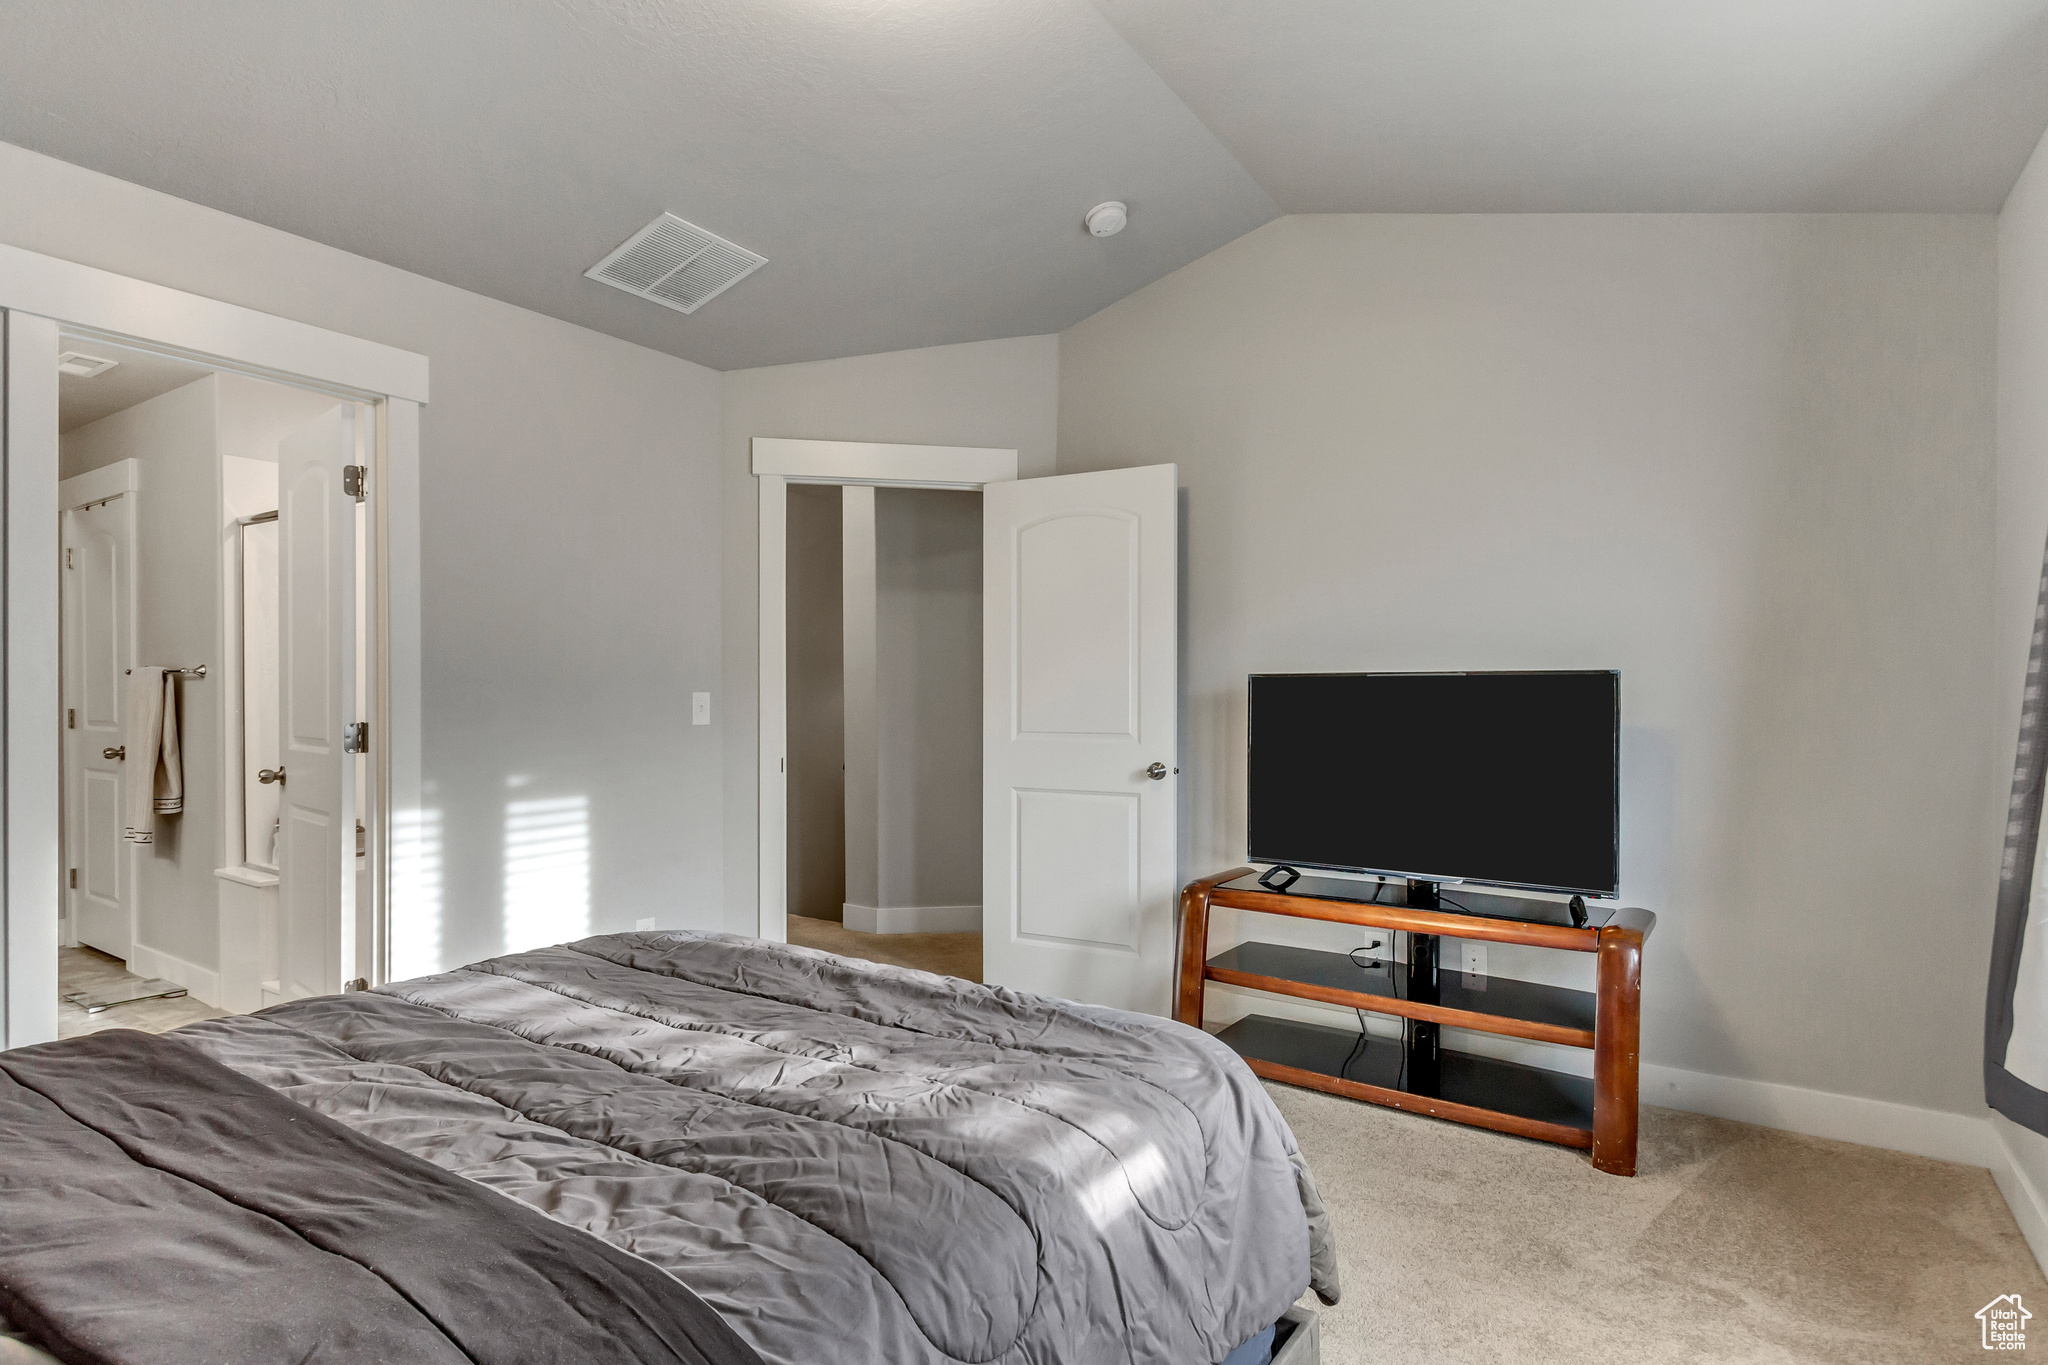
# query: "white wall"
{"type": "Point", "coordinates": [2022, 531]}
{"type": "Point", "coordinates": [570, 583]}
{"type": "Point", "coordinates": [988, 393]}
{"type": "Point", "coordinates": [255, 416]}
{"type": "Point", "coordinates": [1746, 460]}
{"type": "Point", "coordinates": [172, 440]}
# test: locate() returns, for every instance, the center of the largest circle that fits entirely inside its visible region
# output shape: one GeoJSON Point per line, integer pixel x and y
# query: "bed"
{"type": "Point", "coordinates": [841, 1161]}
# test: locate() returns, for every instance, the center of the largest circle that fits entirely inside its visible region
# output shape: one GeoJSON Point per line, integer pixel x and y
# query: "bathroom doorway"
{"type": "Point", "coordinates": [49, 306]}
{"type": "Point", "coordinates": [177, 646]}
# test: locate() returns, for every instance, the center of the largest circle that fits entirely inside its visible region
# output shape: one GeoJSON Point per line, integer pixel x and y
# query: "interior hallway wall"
{"type": "Point", "coordinates": [570, 591]}
{"type": "Point", "coordinates": [912, 611]}
{"type": "Point", "coordinates": [861, 736]}
{"type": "Point", "coordinates": [173, 441]}
{"type": "Point", "coordinates": [1003, 394]}
{"type": "Point", "coordinates": [817, 706]}
{"type": "Point", "coordinates": [1747, 460]}
{"type": "Point", "coordinates": [928, 704]}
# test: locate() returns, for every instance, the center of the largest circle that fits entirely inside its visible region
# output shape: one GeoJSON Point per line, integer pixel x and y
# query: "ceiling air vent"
{"type": "Point", "coordinates": [82, 366]}
{"type": "Point", "coordinates": [676, 264]}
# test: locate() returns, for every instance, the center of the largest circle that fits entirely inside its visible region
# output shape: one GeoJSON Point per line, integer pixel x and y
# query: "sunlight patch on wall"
{"type": "Point", "coordinates": [415, 893]}
{"type": "Point", "coordinates": [547, 871]}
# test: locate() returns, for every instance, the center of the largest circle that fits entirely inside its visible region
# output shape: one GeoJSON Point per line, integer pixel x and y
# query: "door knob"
{"type": "Point", "coordinates": [269, 775]}
{"type": "Point", "coordinates": [120, 753]}
{"type": "Point", "coordinates": [1157, 772]}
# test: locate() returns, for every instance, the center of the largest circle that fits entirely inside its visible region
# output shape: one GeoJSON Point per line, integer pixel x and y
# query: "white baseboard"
{"type": "Point", "coordinates": [2022, 1195]}
{"type": "Point", "coordinates": [1968, 1139]}
{"type": "Point", "coordinates": [1820, 1113]}
{"type": "Point", "coordinates": [912, 919]}
{"type": "Point", "coordinates": [201, 983]}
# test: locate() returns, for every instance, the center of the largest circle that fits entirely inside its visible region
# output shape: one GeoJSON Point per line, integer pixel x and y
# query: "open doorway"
{"type": "Point", "coordinates": [48, 306]}
{"type": "Point", "coordinates": [884, 621]}
{"type": "Point", "coordinates": [192, 884]}
{"type": "Point", "coordinates": [1079, 710]}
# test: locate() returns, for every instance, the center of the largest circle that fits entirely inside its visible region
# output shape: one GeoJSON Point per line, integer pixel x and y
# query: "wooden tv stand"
{"type": "Point", "coordinates": [1528, 1101]}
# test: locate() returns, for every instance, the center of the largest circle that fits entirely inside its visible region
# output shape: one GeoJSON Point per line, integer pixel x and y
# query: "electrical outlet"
{"type": "Point", "coordinates": [647, 923]}
{"type": "Point", "coordinates": [700, 708]}
{"type": "Point", "coordinates": [1472, 962]}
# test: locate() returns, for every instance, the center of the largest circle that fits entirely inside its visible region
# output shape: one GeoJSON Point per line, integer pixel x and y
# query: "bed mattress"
{"type": "Point", "coordinates": [850, 1162]}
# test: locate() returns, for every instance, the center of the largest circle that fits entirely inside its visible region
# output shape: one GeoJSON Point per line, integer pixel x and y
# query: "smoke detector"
{"type": "Point", "coordinates": [676, 264]}
{"type": "Point", "coordinates": [1107, 220]}
{"type": "Point", "coordinates": [79, 365]}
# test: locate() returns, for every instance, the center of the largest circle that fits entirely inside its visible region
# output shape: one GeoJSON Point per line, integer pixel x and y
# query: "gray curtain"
{"type": "Point", "coordinates": [2005, 1092]}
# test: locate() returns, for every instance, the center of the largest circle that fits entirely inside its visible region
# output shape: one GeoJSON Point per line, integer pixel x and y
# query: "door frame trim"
{"type": "Point", "coordinates": [777, 463]}
{"type": "Point", "coordinates": [121, 479]}
{"type": "Point", "coordinates": [39, 296]}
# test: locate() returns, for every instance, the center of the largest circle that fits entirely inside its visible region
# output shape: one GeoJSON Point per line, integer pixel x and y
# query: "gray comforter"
{"type": "Point", "coordinates": [156, 1208]}
{"type": "Point", "coordinates": [852, 1163]}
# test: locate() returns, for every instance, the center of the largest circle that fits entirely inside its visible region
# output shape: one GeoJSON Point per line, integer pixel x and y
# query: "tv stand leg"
{"type": "Point", "coordinates": [1424, 1038]}
{"type": "Point", "coordinates": [1194, 945]}
{"type": "Point", "coordinates": [1617, 1033]}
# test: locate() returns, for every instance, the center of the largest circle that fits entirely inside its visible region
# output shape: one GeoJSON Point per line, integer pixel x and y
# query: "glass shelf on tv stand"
{"type": "Point", "coordinates": [1453, 899]}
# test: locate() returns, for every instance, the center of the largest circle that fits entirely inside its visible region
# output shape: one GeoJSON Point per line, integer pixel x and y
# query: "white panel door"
{"type": "Point", "coordinates": [99, 617]}
{"type": "Point", "coordinates": [316, 681]}
{"type": "Point", "coordinates": [1080, 661]}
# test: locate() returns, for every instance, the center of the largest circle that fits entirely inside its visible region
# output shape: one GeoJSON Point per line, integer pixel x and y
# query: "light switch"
{"type": "Point", "coordinates": [700, 708]}
{"type": "Point", "coordinates": [647, 923]}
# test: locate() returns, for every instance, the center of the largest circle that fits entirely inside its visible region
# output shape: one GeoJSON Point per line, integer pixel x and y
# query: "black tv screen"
{"type": "Point", "coordinates": [1506, 778]}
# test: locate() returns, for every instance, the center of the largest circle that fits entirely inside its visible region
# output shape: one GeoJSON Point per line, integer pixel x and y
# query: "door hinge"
{"type": "Point", "coordinates": [352, 480]}
{"type": "Point", "coordinates": [67, 556]}
{"type": "Point", "coordinates": [355, 737]}
{"type": "Point", "coordinates": [362, 841]}
{"type": "Point", "coordinates": [71, 718]}
{"type": "Point", "coordinates": [74, 879]}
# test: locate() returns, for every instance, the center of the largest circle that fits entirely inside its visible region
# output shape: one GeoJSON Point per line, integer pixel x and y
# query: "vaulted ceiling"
{"type": "Point", "coordinates": [915, 171]}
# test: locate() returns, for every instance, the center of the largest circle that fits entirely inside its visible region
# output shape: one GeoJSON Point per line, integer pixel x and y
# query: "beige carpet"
{"type": "Point", "coordinates": [947, 954]}
{"type": "Point", "coordinates": [1733, 1244]}
{"type": "Point", "coordinates": [84, 969]}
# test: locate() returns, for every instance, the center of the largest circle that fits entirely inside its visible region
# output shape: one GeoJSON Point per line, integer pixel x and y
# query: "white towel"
{"type": "Point", "coordinates": [156, 768]}
{"type": "Point", "coordinates": [167, 781]}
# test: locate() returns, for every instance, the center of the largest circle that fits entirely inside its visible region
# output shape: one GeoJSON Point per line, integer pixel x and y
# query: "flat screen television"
{"type": "Point", "coordinates": [1510, 779]}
